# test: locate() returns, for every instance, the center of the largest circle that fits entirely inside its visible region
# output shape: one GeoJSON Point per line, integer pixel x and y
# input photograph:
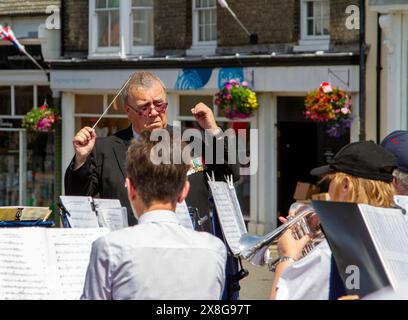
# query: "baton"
{"type": "Point", "coordinates": [114, 99]}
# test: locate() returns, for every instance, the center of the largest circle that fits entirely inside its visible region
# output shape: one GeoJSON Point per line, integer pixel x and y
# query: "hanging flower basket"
{"type": "Point", "coordinates": [236, 100]}
{"type": "Point", "coordinates": [332, 106]}
{"type": "Point", "coordinates": [42, 119]}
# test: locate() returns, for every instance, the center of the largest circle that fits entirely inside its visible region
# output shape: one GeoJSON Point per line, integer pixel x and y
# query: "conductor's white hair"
{"type": "Point", "coordinates": [142, 80]}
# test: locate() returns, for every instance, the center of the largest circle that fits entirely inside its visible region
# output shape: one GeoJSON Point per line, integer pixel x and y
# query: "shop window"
{"type": "Point", "coordinates": [89, 104]}
{"type": "Point", "coordinates": [117, 106]}
{"type": "Point", "coordinates": [24, 99]}
{"type": "Point", "coordinates": [5, 100]}
{"type": "Point", "coordinates": [88, 108]}
{"type": "Point", "coordinates": [44, 94]}
{"type": "Point", "coordinates": [188, 102]}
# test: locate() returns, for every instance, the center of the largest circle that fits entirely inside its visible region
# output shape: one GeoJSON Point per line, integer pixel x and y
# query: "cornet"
{"type": "Point", "coordinates": [304, 222]}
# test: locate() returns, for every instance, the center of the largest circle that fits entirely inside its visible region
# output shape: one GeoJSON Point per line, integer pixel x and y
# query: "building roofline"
{"type": "Point", "coordinates": [349, 58]}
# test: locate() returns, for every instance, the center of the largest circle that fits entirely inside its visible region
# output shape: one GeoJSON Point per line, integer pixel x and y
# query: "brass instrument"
{"type": "Point", "coordinates": [303, 222]}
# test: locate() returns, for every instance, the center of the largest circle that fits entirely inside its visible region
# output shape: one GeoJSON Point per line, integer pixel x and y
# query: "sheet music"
{"type": "Point", "coordinates": [229, 213]}
{"type": "Point", "coordinates": [389, 231]}
{"type": "Point", "coordinates": [113, 219]}
{"type": "Point", "coordinates": [183, 215]}
{"type": "Point", "coordinates": [74, 203]}
{"type": "Point", "coordinates": [82, 219]}
{"type": "Point", "coordinates": [24, 273]}
{"type": "Point", "coordinates": [71, 249]}
{"type": "Point", "coordinates": [39, 263]}
{"type": "Point", "coordinates": [107, 203]}
{"type": "Point", "coordinates": [401, 201]}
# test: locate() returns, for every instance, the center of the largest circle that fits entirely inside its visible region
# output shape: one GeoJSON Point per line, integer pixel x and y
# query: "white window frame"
{"type": "Point", "coordinates": [142, 49]}
{"type": "Point", "coordinates": [125, 47]}
{"type": "Point", "coordinates": [200, 47]}
{"type": "Point", "coordinates": [12, 114]}
{"type": "Point", "coordinates": [310, 42]}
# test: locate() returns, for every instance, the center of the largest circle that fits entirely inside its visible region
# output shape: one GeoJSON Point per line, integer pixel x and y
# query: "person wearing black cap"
{"type": "Point", "coordinates": [360, 172]}
{"type": "Point", "coordinates": [397, 143]}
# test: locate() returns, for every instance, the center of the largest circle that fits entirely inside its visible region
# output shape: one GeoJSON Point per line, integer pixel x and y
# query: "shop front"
{"type": "Point", "coordinates": [85, 94]}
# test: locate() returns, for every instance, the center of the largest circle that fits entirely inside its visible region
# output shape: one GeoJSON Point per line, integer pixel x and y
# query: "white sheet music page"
{"type": "Point", "coordinates": [389, 230]}
{"type": "Point", "coordinates": [229, 213]}
{"type": "Point", "coordinates": [401, 201]}
{"type": "Point", "coordinates": [76, 203]}
{"type": "Point", "coordinates": [113, 219]}
{"type": "Point", "coordinates": [70, 250]}
{"type": "Point", "coordinates": [107, 203]}
{"type": "Point", "coordinates": [80, 212]}
{"type": "Point", "coordinates": [24, 265]}
{"type": "Point", "coordinates": [183, 215]}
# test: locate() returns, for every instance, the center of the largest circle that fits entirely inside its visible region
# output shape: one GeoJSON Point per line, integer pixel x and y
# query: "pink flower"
{"type": "Point", "coordinates": [245, 84]}
{"type": "Point", "coordinates": [43, 107]}
{"type": "Point", "coordinates": [233, 81]}
{"type": "Point", "coordinates": [327, 88]}
{"type": "Point", "coordinates": [228, 86]}
{"type": "Point", "coordinates": [345, 110]}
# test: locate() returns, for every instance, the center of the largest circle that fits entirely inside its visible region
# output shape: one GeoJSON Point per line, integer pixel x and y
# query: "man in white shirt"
{"type": "Point", "coordinates": [158, 258]}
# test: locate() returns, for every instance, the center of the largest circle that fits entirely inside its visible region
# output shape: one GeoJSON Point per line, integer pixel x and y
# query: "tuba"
{"type": "Point", "coordinates": [302, 221]}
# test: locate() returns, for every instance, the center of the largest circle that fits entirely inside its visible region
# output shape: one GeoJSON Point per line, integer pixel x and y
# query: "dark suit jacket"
{"type": "Point", "coordinates": [104, 174]}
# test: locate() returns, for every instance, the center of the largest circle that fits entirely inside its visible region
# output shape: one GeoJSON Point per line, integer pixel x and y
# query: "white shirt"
{"type": "Point", "coordinates": [308, 278]}
{"type": "Point", "coordinates": [156, 259]}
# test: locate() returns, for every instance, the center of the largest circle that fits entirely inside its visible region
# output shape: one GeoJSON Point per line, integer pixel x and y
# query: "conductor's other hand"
{"type": "Point", "coordinates": [205, 117]}
{"type": "Point", "coordinates": [83, 142]}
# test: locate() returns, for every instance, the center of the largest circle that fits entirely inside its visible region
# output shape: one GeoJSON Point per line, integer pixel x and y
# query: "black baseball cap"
{"type": "Point", "coordinates": [397, 143]}
{"type": "Point", "coordinates": [364, 159]}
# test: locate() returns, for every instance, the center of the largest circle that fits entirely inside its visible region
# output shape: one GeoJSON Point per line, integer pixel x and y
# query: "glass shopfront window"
{"type": "Point", "coordinates": [88, 109]}
{"type": "Point", "coordinates": [27, 171]}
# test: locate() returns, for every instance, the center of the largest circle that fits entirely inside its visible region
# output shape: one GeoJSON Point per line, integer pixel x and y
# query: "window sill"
{"type": "Point", "coordinates": [104, 55]}
{"type": "Point", "coordinates": [312, 45]}
{"type": "Point", "coordinates": [201, 50]}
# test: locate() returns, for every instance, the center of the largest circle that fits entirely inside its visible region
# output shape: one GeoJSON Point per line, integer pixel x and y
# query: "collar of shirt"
{"type": "Point", "coordinates": [158, 216]}
{"type": "Point", "coordinates": [136, 136]}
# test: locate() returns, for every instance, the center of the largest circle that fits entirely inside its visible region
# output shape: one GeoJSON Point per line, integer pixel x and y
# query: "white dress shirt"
{"type": "Point", "coordinates": [308, 278]}
{"type": "Point", "coordinates": [156, 259]}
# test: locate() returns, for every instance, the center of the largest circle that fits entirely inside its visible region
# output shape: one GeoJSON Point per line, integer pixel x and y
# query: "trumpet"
{"type": "Point", "coordinates": [303, 222]}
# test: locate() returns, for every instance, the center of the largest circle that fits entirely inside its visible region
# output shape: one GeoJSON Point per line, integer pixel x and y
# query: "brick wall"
{"type": "Point", "coordinates": [342, 38]}
{"type": "Point", "coordinates": [273, 20]}
{"type": "Point", "coordinates": [172, 26]}
{"type": "Point", "coordinates": [75, 26]}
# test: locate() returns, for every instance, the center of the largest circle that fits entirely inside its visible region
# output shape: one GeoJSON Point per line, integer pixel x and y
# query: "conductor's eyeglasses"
{"type": "Point", "coordinates": [145, 111]}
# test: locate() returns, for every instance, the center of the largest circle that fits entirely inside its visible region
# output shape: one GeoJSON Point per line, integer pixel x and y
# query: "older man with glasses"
{"type": "Point", "coordinates": [98, 167]}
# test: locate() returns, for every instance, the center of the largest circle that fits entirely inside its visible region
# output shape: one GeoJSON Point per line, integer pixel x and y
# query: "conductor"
{"type": "Point", "coordinates": [98, 167]}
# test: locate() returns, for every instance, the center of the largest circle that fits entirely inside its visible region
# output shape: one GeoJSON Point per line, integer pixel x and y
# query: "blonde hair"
{"type": "Point", "coordinates": [373, 192]}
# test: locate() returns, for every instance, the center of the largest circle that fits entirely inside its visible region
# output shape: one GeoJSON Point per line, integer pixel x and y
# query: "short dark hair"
{"type": "Point", "coordinates": [155, 182]}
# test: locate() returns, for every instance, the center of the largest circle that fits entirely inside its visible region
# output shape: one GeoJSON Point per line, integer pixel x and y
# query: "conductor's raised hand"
{"type": "Point", "coordinates": [83, 142]}
{"type": "Point", "coordinates": [204, 116]}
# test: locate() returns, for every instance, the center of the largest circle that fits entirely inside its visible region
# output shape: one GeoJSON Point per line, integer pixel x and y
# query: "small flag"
{"type": "Point", "coordinates": [8, 35]}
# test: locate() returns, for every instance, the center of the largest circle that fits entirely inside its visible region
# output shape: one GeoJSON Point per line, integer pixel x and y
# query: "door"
{"type": "Point", "coordinates": [302, 146]}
